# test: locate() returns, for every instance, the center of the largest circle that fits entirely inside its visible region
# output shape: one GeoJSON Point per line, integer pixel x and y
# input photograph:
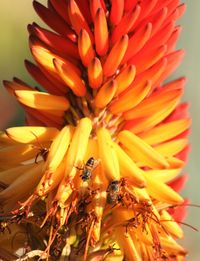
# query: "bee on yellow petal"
{"type": "Point", "coordinates": [86, 171]}
{"type": "Point", "coordinates": [119, 191]}
{"type": "Point", "coordinates": [113, 192]}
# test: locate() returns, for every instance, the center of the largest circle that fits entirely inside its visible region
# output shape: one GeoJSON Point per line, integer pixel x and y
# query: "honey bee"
{"type": "Point", "coordinates": [118, 192]}
{"type": "Point", "coordinates": [113, 191]}
{"type": "Point", "coordinates": [43, 152]}
{"type": "Point", "coordinates": [89, 166]}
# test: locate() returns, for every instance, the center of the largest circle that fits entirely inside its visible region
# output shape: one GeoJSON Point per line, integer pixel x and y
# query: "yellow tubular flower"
{"type": "Point", "coordinates": [108, 155]}
{"type": "Point", "coordinates": [94, 174]}
{"type": "Point", "coordinates": [141, 151]}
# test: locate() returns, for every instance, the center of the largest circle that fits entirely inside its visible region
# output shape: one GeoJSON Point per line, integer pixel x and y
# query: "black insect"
{"type": "Point", "coordinates": [43, 152]}
{"type": "Point", "coordinates": [113, 192]}
{"type": "Point", "coordinates": [87, 169]}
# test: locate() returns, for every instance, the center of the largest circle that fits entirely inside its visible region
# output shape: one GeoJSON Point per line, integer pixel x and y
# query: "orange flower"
{"type": "Point", "coordinates": [95, 164]}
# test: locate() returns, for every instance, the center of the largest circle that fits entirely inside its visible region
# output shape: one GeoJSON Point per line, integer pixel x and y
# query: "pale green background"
{"type": "Point", "coordinates": [14, 17]}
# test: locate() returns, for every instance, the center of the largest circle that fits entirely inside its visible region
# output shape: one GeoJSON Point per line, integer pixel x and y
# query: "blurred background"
{"type": "Point", "coordinates": [14, 17]}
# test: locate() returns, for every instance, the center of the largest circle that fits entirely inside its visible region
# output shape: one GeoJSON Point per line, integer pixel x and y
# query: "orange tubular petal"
{"type": "Point", "coordinates": [85, 10]}
{"type": "Point", "coordinates": [94, 6]}
{"type": "Point", "coordinates": [61, 45]}
{"type": "Point", "coordinates": [53, 20]}
{"type": "Point", "coordinates": [161, 191]}
{"type": "Point", "coordinates": [161, 36]}
{"type": "Point", "coordinates": [171, 17]}
{"type": "Point", "coordinates": [175, 163]}
{"type": "Point", "coordinates": [158, 20]}
{"type": "Point", "coordinates": [131, 98]}
{"type": "Point", "coordinates": [175, 11]}
{"type": "Point", "coordinates": [103, 5]}
{"type": "Point", "coordinates": [141, 151]}
{"type": "Point", "coordinates": [137, 41]}
{"type": "Point", "coordinates": [125, 24]}
{"type": "Point", "coordinates": [45, 58]}
{"type": "Point", "coordinates": [85, 48]}
{"type": "Point", "coordinates": [129, 5]}
{"type": "Point", "coordinates": [165, 131]}
{"type": "Point", "coordinates": [138, 90]}
{"type": "Point", "coordinates": [77, 19]}
{"type": "Point", "coordinates": [171, 43]}
{"type": "Point", "coordinates": [70, 77]}
{"type": "Point", "coordinates": [181, 10]}
{"type": "Point", "coordinates": [101, 32]}
{"type": "Point", "coordinates": [11, 87]}
{"type": "Point", "coordinates": [42, 101]}
{"type": "Point", "coordinates": [150, 105]}
{"type": "Point", "coordinates": [125, 78]}
{"type": "Point", "coordinates": [38, 75]}
{"type": "Point", "coordinates": [41, 118]}
{"type": "Point", "coordinates": [20, 82]}
{"type": "Point", "coordinates": [172, 6]}
{"type": "Point", "coordinates": [117, 8]}
{"type": "Point", "coordinates": [95, 73]}
{"type": "Point", "coordinates": [173, 61]}
{"type": "Point", "coordinates": [36, 120]}
{"type": "Point", "coordinates": [54, 116]}
{"type": "Point", "coordinates": [61, 7]}
{"type": "Point", "coordinates": [45, 118]}
{"type": "Point", "coordinates": [144, 60]}
{"type": "Point", "coordinates": [183, 155]}
{"type": "Point", "coordinates": [105, 94]}
{"type": "Point", "coordinates": [148, 7]}
{"type": "Point", "coordinates": [179, 113]}
{"type": "Point", "coordinates": [154, 117]}
{"type": "Point", "coordinates": [154, 73]}
{"type": "Point", "coordinates": [171, 148]}
{"type": "Point", "coordinates": [160, 5]}
{"type": "Point", "coordinates": [115, 56]}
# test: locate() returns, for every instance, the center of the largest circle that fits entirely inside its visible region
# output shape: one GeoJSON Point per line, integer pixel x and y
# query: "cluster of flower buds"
{"type": "Point", "coordinates": [94, 174]}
